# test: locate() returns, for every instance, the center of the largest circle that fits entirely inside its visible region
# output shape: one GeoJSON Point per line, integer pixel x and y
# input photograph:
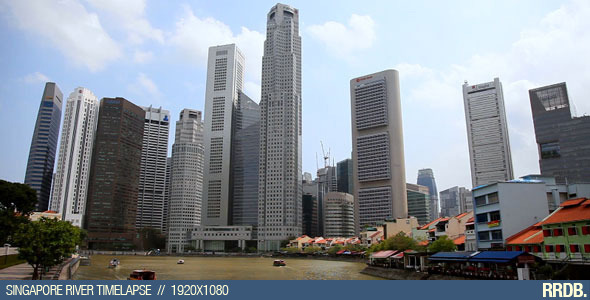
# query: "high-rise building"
{"type": "Point", "coordinates": [280, 192]}
{"type": "Point", "coordinates": [378, 148]}
{"type": "Point", "coordinates": [562, 139]}
{"type": "Point", "coordinates": [487, 133]}
{"type": "Point", "coordinates": [426, 178]}
{"type": "Point", "coordinates": [245, 162]}
{"type": "Point", "coordinates": [167, 188]}
{"type": "Point", "coordinates": [152, 177]}
{"type": "Point", "coordinates": [186, 180]}
{"type": "Point", "coordinates": [310, 206]}
{"type": "Point", "coordinates": [454, 201]}
{"type": "Point", "coordinates": [114, 176]}
{"type": "Point", "coordinates": [339, 215]}
{"type": "Point", "coordinates": [70, 185]}
{"type": "Point", "coordinates": [39, 174]}
{"type": "Point", "coordinates": [344, 175]}
{"type": "Point", "coordinates": [419, 202]}
{"type": "Point", "coordinates": [225, 77]}
{"type": "Point", "coordinates": [327, 182]}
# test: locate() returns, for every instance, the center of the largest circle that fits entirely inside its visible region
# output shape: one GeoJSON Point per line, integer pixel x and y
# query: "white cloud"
{"type": "Point", "coordinates": [554, 52]}
{"type": "Point", "coordinates": [69, 27]}
{"type": "Point", "coordinates": [35, 77]}
{"type": "Point", "coordinates": [142, 57]}
{"type": "Point", "coordinates": [342, 40]}
{"type": "Point", "coordinates": [130, 16]}
{"type": "Point", "coordinates": [193, 36]}
{"type": "Point", "coordinates": [144, 86]}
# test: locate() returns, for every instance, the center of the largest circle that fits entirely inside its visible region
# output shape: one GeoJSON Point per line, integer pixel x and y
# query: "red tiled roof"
{"type": "Point", "coordinates": [423, 243]}
{"type": "Point", "coordinates": [460, 240]}
{"type": "Point", "coordinates": [383, 254]}
{"type": "Point", "coordinates": [50, 212]}
{"type": "Point", "coordinates": [431, 223]}
{"type": "Point", "coordinates": [459, 216]}
{"type": "Point", "coordinates": [569, 211]}
{"type": "Point", "coordinates": [443, 219]}
{"type": "Point", "coordinates": [432, 230]}
{"type": "Point", "coordinates": [530, 235]}
{"type": "Point", "coordinates": [374, 234]}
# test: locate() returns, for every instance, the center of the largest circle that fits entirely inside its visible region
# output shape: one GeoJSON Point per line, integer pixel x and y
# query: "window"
{"type": "Point", "coordinates": [482, 218]}
{"type": "Point", "coordinates": [550, 150]}
{"type": "Point", "coordinates": [494, 216]}
{"type": "Point", "coordinates": [585, 230]}
{"type": "Point", "coordinates": [517, 248]}
{"type": "Point", "coordinates": [497, 235]}
{"type": "Point", "coordinates": [548, 248]}
{"type": "Point", "coordinates": [559, 248]}
{"type": "Point", "coordinates": [574, 248]}
{"type": "Point", "coordinates": [493, 198]}
{"type": "Point", "coordinates": [508, 248]}
{"type": "Point", "coordinates": [572, 231]}
{"type": "Point", "coordinates": [587, 248]}
{"type": "Point", "coordinates": [527, 248]}
{"type": "Point", "coordinates": [479, 201]}
{"type": "Point", "coordinates": [557, 232]}
{"type": "Point", "coordinates": [546, 232]}
{"type": "Point", "coordinates": [483, 236]}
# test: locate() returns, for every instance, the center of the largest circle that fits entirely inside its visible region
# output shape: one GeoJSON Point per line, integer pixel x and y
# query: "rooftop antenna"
{"type": "Point", "coordinates": [317, 164]}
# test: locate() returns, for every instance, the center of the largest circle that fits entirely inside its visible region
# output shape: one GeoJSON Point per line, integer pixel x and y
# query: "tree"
{"type": "Point", "coordinates": [291, 249]}
{"type": "Point", "coordinates": [152, 238]}
{"type": "Point", "coordinates": [47, 242]}
{"type": "Point", "coordinates": [443, 244]}
{"type": "Point", "coordinates": [312, 250]}
{"type": "Point", "coordinates": [284, 243]}
{"type": "Point", "coordinates": [334, 249]}
{"type": "Point", "coordinates": [17, 201]}
{"type": "Point", "coordinates": [399, 242]}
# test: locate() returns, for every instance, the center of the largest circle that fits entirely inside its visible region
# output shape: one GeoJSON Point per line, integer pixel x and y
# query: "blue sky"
{"type": "Point", "coordinates": [154, 53]}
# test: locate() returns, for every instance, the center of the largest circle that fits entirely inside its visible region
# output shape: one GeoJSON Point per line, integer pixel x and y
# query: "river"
{"type": "Point", "coordinates": [222, 268]}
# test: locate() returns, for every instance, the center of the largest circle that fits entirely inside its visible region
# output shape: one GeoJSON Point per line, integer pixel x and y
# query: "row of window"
{"type": "Point", "coordinates": [570, 231]}
{"type": "Point", "coordinates": [550, 248]}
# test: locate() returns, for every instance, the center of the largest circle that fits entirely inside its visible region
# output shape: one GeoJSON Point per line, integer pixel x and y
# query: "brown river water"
{"type": "Point", "coordinates": [222, 268]}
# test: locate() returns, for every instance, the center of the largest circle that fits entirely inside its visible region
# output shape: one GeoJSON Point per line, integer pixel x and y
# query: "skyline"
{"type": "Point", "coordinates": [525, 57]}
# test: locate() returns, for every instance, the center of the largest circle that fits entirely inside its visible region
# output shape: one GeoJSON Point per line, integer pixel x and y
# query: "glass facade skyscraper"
{"type": "Point", "coordinates": [426, 178]}
{"type": "Point", "coordinates": [344, 175]}
{"type": "Point", "coordinates": [39, 174]}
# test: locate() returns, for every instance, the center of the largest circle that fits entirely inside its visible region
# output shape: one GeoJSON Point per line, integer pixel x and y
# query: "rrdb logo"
{"type": "Point", "coordinates": [563, 290]}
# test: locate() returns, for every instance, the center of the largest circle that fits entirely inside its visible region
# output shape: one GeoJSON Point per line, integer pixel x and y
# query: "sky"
{"type": "Point", "coordinates": [155, 52]}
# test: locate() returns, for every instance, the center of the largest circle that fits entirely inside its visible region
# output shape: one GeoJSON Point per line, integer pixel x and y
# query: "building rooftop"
{"type": "Point", "coordinates": [569, 211]}
{"type": "Point", "coordinates": [460, 240]}
{"type": "Point", "coordinates": [530, 235]}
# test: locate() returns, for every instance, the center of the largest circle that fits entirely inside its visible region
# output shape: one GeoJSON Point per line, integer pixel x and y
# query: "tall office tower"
{"type": "Point", "coordinates": [39, 173]}
{"type": "Point", "coordinates": [279, 199]}
{"type": "Point", "coordinates": [310, 206]}
{"type": "Point", "coordinates": [487, 133]}
{"type": "Point", "coordinates": [562, 139]}
{"type": "Point", "coordinates": [454, 201]}
{"type": "Point", "coordinates": [114, 176]}
{"type": "Point", "coordinates": [244, 162]}
{"type": "Point", "coordinates": [426, 178]}
{"type": "Point", "coordinates": [167, 193]}
{"type": "Point", "coordinates": [339, 217]}
{"type": "Point", "coordinates": [70, 185]}
{"type": "Point", "coordinates": [152, 177]}
{"type": "Point", "coordinates": [327, 182]}
{"type": "Point", "coordinates": [344, 175]}
{"type": "Point", "coordinates": [419, 202]}
{"type": "Point", "coordinates": [186, 181]}
{"type": "Point", "coordinates": [225, 77]}
{"type": "Point", "coordinates": [378, 148]}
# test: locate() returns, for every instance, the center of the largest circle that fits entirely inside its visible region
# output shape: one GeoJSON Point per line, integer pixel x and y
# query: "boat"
{"type": "Point", "coordinates": [180, 262]}
{"type": "Point", "coordinates": [279, 263]}
{"type": "Point", "coordinates": [142, 275]}
{"type": "Point", "coordinates": [114, 263]}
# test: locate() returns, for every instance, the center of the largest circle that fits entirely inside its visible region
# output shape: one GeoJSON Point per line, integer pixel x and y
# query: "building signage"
{"type": "Point", "coordinates": [363, 78]}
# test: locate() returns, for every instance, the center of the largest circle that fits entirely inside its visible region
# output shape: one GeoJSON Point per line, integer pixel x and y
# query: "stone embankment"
{"type": "Point", "coordinates": [398, 274]}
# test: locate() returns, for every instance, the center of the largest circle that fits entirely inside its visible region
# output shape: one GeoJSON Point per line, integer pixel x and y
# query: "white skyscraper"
{"type": "Point", "coordinates": [378, 148]}
{"type": "Point", "coordinates": [186, 184]}
{"type": "Point", "coordinates": [280, 191]}
{"type": "Point", "coordinates": [70, 185]}
{"type": "Point", "coordinates": [225, 77]}
{"type": "Point", "coordinates": [152, 176]}
{"type": "Point", "coordinates": [487, 133]}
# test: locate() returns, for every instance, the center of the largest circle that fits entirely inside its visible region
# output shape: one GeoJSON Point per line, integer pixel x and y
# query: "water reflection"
{"type": "Point", "coordinates": [222, 268]}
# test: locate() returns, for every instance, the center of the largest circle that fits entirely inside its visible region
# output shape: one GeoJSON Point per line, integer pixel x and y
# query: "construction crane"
{"type": "Point", "coordinates": [326, 155]}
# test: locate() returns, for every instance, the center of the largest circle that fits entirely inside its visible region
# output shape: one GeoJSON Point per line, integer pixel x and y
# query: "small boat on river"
{"type": "Point", "coordinates": [114, 263]}
{"type": "Point", "coordinates": [180, 262]}
{"type": "Point", "coordinates": [142, 275]}
{"type": "Point", "coordinates": [279, 263]}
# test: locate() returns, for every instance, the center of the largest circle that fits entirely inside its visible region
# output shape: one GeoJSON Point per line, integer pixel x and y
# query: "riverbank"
{"type": "Point", "coordinates": [399, 274]}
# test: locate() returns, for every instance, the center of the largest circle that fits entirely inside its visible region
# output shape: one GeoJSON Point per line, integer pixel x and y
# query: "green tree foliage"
{"type": "Point", "coordinates": [152, 238]}
{"type": "Point", "coordinates": [355, 248]}
{"type": "Point", "coordinates": [47, 242]}
{"type": "Point", "coordinates": [443, 244]}
{"type": "Point", "coordinates": [398, 242]}
{"type": "Point", "coordinates": [17, 201]}
{"type": "Point", "coordinates": [334, 249]}
{"type": "Point", "coordinates": [291, 249]}
{"type": "Point", "coordinates": [311, 250]}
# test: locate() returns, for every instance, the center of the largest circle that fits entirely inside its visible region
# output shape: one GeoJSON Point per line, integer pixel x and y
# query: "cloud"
{"type": "Point", "coordinates": [129, 15]}
{"type": "Point", "coordinates": [69, 27]}
{"type": "Point", "coordinates": [35, 77]}
{"type": "Point", "coordinates": [555, 51]}
{"type": "Point", "coordinates": [193, 36]}
{"type": "Point", "coordinates": [142, 57]}
{"type": "Point", "coordinates": [342, 40]}
{"type": "Point", "coordinates": [144, 86]}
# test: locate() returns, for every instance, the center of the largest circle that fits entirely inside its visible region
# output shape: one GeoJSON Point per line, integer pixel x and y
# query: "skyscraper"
{"type": "Point", "coordinates": [39, 172]}
{"type": "Point", "coordinates": [279, 200]}
{"type": "Point", "coordinates": [114, 176]}
{"type": "Point", "coordinates": [454, 201]}
{"type": "Point", "coordinates": [186, 181]}
{"type": "Point", "coordinates": [419, 202]}
{"type": "Point", "coordinates": [245, 162]}
{"type": "Point", "coordinates": [378, 148]}
{"type": "Point", "coordinates": [339, 215]}
{"type": "Point", "coordinates": [152, 177]}
{"type": "Point", "coordinates": [70, 185]}
{"type": "Point", "coordinates": [487, 133]}
{"type": "Point", "coordinates": [326, 182]}
{"type": "Point", "coordinates": [167, 194]}
{"type": "Point", "coordinates": [225, 77]}
{"type": "Point", "coordinates": [310, 206]}
{"type": "Point", "coordinates": [562, 139]}
{"type": "Point", "coordinates": [426, 178]}
{"type": "Point", "coordinates": [344, 175]}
